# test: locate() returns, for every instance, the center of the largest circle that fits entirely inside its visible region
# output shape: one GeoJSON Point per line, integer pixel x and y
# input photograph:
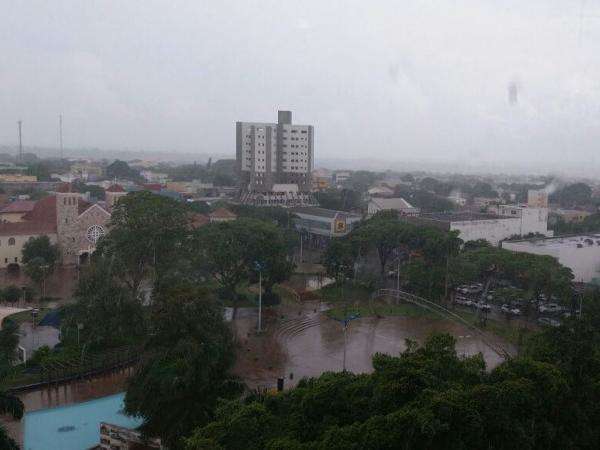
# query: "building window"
{"type": "Point", "coordinates": [16, 259]}
{"type": "Point", "coordinates": [11, 241]}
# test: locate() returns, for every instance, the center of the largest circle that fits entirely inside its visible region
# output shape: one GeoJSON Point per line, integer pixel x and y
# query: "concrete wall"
{"type": "Point", "coordinates": [492, 230]}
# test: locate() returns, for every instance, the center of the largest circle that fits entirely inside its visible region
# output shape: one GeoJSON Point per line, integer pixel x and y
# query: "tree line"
{"type": "Point", "coordinates": [432, 261]}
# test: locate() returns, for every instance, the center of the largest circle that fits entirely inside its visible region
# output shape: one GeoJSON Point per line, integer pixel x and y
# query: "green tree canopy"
{"type": "Point", "coordinates": [110, 315]}
{"type": "Point", "coordinates": [147, 234]}
{"type": "Point", "coordinates": [120, 170]}
{"type": "Point", "coordinates": [427, 398]}
{"type": "Point", "coordinates": [185, 367]}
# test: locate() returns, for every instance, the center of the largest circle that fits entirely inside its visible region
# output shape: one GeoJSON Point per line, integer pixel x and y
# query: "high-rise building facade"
{"type": "Point", "coordinates": [274, 158]}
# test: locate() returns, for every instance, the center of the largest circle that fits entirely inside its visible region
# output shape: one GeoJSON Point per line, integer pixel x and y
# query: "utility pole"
{"type": "Point", "coordinates": [60, 136]}
{"type": "Point", "coordinates": [259, 267]}
{"type": "Point", "coordinates": [20, 122]}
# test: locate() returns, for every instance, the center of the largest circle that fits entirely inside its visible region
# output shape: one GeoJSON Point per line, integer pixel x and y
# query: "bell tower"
{"type": "Point", "coordinates": [66, 222]}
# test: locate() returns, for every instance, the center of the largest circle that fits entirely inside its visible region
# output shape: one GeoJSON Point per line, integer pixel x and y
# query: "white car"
{"type": "Point", "coordinates": [507, 309]}
{"type": "Point", "coordinates": [483, 306]}
{"type": "Point", "coordinates": [463, 301]}
{"type": "Point", "coordinates": [549, 307]}
{"type": "Point", "coordinates": [548, 322]}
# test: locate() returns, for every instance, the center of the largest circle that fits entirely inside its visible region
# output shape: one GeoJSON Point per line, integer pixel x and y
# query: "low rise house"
{"type": "Point", "coordinates": [398, 204]}
{"type": "Point", "coordinates": [571, 215]}
{"type": "Point", "coordinates": [321, 225]}
{"type": "Point", "coordinates": [14, 211]}
{"type": "Point", "coordinates": [221, 215]}
{"type": "Point", "coordinates": [17, 178]}
{"type": "Point", "coordinates": [380, 191]}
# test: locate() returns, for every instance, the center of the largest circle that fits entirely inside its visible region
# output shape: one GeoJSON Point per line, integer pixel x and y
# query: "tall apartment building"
{"type": "Point", "coordinates": [275, 161]}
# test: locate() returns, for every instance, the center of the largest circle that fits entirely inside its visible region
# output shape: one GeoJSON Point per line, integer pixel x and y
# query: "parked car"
{"type": "Point", "coordinates": [465, 290]}
{"type": "Point", "coordinates": [459, 300]}
{"type": "Point", "coordinates": [510, 309]}
{"type": "Point", "coordinates": [475, 288]}
{"type": "Point", "coordinates": [483, 306]}
{"type": "Point", "coordinates": [549, 308]}
{"type": "Point", "coordinates": [547, 321]}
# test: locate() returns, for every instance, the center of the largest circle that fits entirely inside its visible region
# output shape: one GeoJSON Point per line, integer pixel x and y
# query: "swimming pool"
{"type": "Point", "coordinates": [74, 427]}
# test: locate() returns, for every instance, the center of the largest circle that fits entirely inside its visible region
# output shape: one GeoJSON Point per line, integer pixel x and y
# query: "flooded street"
{"type": "Point", "coordinates": [304, 342]}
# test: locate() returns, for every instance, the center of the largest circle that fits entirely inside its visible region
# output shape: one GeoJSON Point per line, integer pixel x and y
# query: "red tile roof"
{"type": "Point", "coordinates": [222, 213]}
{"type": "Point", "coordinates": [152, 186]}
{"type": "Point", "coordinates": [44, 211]}
{"type": "Point", "coordinates": [115, 188]}
{"type": "Point", "coordinates": [197, 220]}
{"type": "Point", "coordinates": [19, 206]}
{"type": "Point", "coordinates": [8, 228]}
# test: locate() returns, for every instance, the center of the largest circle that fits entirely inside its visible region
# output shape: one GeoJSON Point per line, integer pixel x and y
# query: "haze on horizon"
{"type": "Point", "coordinates": [453, 81]}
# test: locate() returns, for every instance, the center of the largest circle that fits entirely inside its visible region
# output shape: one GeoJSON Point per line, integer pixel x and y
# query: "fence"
{"type": "Point", "coordinates": [83, 366]}
{"type": "Point", "coordinates": [444, 312]}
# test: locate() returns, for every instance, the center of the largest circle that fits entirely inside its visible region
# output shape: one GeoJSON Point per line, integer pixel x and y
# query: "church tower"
{"type": "Point", "coordinates": [67, 211]}
{"type": "Point", "coordinates": [114, 193]}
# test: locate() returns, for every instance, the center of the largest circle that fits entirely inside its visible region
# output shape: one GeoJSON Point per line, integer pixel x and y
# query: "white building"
{"type": "Point", "coordinates": [474, 226]}
{"type": "Point", "coordinates": [579, 253]}
{"type": "Point", "coordinates": [457, 199]}
{"type": "Point", "coordinates": [274, 153]}
{"type": "Point", "coordinates": [530, 220]}
{"type": "Point", "coordinates": [154, 177]}
{"type": "Point", "coordinates": [404, 208]}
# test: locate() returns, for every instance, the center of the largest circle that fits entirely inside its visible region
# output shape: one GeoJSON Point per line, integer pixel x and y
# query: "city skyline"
{"type": "Point", "coordinates": [485, 83]}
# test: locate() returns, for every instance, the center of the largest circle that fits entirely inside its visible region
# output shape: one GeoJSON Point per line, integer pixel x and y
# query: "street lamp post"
{"type": "Point", "coordinates": [347, 317]}
{"type": "Point", "coordinates": [259, 267]}
{"type": "Point", "coordinates": [44, 268]}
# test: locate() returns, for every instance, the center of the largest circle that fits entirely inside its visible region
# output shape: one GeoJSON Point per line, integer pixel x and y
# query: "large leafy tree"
{"type": "Point", "coordinates": [105, 309]}
{"type": "Point", "coordinates": [427, 398]}
{"type": "Point", "coordinates": [185, 367]}
{"type": "Point", "coordinates": [40, 257]}
{"type": "Point", "coordinates": [147, 236]}
{"type": "Point", "coordinates": [120, 170]}
{"type": "Point", "coordinates": [233, 251]}
{"type": "Point", "coordinates": [267, 253]}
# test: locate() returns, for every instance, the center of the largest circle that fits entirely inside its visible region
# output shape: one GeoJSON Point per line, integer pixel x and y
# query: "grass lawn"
{"type": "Point", "coordinates": [508, 330]}
{"type": "Point", "coordinates": [352, 293]}
{"type": "Point", "coordinates": [380, 308]}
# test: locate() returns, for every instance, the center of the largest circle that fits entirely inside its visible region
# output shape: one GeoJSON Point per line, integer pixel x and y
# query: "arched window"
{"type": "Point", "coordinates": [11, 241]}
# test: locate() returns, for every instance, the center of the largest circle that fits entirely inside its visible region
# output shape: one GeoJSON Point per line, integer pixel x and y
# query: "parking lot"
{"type": "Point", "coordinates": [503, 300]}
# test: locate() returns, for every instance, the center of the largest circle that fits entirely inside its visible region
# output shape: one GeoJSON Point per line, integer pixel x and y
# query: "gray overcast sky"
{"type": "Point", "coordinates": [384, 79]}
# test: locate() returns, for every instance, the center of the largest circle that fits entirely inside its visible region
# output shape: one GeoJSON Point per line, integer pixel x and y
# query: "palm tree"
{"type": "Point", "coordinates": [9, 404]}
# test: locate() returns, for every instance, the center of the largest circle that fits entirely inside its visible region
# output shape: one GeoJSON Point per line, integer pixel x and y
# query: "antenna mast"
{"type": "Point", "coordinates": [20, 122]}
{"type": "Point", "coordinates": [60, 135]}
